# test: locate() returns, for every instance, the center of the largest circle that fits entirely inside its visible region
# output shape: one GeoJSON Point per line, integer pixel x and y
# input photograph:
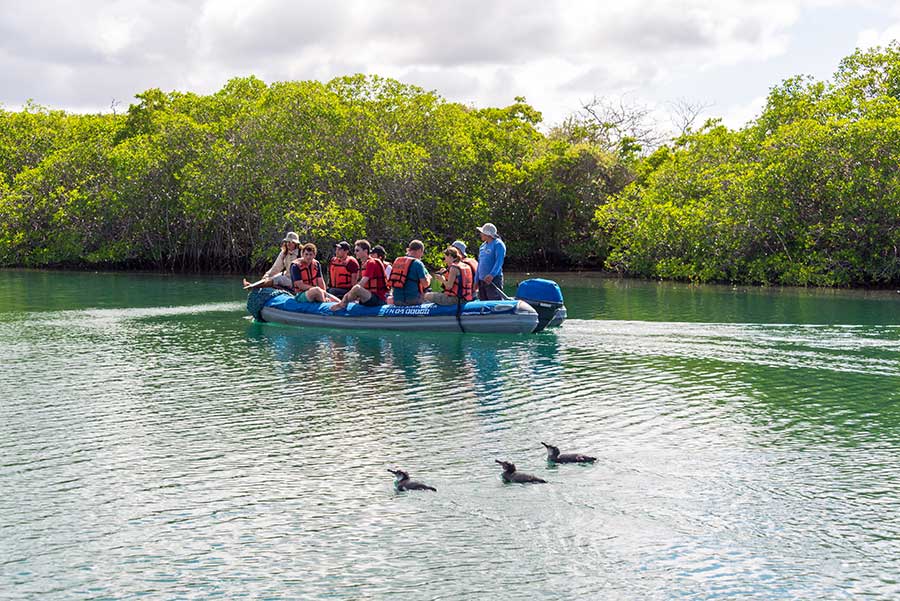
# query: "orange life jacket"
{"type": "Point", "coordinates": [339, 275]}
{"type": "Point", "coordinates": [309, 272]}
{"type": "Point", "coordinates": [377, 285]}
{"type": "Point", "coordinates": [473, 264]}
{"type": "Point", "coordinates": [466, 278]}
{"type": "Point", "coordinates": [400, 273]}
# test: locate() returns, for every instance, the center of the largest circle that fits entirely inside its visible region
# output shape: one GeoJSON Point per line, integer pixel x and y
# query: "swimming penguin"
{"type": "Point", "coordinates": [404, 483]}
{"type": "Point", "coordinates": [554, 456]}
{"type": "Point", "coordinates": [511, 475]}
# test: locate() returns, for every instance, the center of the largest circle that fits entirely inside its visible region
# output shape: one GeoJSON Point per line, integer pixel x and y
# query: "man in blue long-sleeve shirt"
{"type": "Point", "coordinates": [490, 263]}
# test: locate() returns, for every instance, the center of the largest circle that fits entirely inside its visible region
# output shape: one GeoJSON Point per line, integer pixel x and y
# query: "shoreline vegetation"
{"type": "Point", "coordinates": [806, 194]}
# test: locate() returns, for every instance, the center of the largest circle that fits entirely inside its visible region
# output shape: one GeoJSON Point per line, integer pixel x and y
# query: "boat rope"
{"type": "Point", "coordinates": [459, 303]}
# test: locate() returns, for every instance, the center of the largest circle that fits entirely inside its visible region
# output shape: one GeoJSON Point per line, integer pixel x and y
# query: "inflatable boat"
{"type": "Point", "coordinates": [538, 303]}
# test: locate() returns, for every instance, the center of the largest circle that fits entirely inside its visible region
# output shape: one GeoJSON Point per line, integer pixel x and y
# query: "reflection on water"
{"type": "Point", "coordinates": [157, 443]}
{"type": "Point", "coordinates": [478, 364]}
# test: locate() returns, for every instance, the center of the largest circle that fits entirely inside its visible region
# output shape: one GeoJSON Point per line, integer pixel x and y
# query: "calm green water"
{"type": "Point", "coordinates": [155, 443]}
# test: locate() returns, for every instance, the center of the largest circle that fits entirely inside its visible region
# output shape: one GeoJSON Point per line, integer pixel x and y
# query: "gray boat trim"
{"type": "Point", "coordinates": [521, 321]}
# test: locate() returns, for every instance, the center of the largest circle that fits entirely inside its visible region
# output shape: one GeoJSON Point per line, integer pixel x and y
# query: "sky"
{"type": "Point", "coordinates": [724, 55]}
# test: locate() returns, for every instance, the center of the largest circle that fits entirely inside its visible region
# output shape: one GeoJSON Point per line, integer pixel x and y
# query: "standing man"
{"type": "Point", "coordinates": [343, 271]}
{"type": "Point", "coordinates": [490, 263]}
{"type": "Point", "coordinates": [372, 288]}
{"type": "Point", "coordinates": [409, 278]}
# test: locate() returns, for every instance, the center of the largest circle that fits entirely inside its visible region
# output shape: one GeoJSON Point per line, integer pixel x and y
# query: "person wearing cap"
{"type": "Point", "coordinates": [472, 263]}
{"type": "Point", "coordinates": [489, 277]}
{"type": "Point", "coordinates": [343, 271]}
{"type": "Point", "coordinates": [277, 276]}
{"type": "Point", "coordinates": [409, 279]}
{"type": "Point", "coordinates": [379, 253]}
{"type": "Point", "coordinates": [371, 291]}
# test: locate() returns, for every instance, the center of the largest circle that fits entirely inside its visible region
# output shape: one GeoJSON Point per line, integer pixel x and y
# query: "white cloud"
{"type": "Point", "coordinates": [869, 38]}
{"type": "Point", "coordinates": [556, 53]}
{"type": "Point", "coordinates": [739, 115]}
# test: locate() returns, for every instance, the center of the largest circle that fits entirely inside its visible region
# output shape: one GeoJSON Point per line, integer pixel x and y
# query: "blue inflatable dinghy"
{"type": "Point", "coordinates": [540, 307]}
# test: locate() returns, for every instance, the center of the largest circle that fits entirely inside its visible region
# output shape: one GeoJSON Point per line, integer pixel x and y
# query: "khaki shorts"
{"type": "Point", "coordinates": [282, 280]}
{"type": "Point", "coordinates": [441, 298]}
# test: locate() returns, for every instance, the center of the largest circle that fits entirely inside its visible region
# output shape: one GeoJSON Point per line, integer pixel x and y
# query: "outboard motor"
{"type": "Point", "coordinates": [546, 298]}
{"type": "Point", "coordinates": [560, 317]}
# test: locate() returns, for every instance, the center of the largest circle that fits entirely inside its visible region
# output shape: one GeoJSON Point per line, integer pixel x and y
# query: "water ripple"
{"type": "Point", "coordinates": [185, 452]}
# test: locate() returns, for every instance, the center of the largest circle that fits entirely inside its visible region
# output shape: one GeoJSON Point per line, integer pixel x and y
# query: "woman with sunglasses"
{"type": "Point", "coordinates": [457, 280]}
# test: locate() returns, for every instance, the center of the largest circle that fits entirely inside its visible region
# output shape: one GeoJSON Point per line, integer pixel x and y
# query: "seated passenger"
{"type": "Point", "coordinates": [379, 253]}
{"type": "Point", "coordinates": [372, 288]}
{"type": "Point", "coordinates": [456, 278]}
{"type": "Point", "coordinates": [472, 263]}
{"type": "Point", "coordinates": [409, 279]}
{"type": "Point", "coordinates": [278, 276]}
{"type": "Point", "coordinates": [343, 271]}
{"type": "Point", "coordinates": [306, 277]}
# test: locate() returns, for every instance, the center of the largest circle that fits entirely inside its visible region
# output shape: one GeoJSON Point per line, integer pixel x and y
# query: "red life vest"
{"type": "Point", "coordinates": [339, 274]}
{"type": "Point", "coordinates": [473, 264]}
{"type": "Point", "coordinates": [467, 280]}
{"type": "Point", "coordinates": [400, 273]}
{"type": "Point", "coordinates": [377, 285]}
{"type": "Point", "coordinates": [307, 273]}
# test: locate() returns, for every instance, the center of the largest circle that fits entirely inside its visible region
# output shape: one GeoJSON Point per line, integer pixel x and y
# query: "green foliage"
{"type": "Point", "coordinates": [190, 182]}
{"type": "Point", "coordinates": [809, 194]}
{"type": "Point", "coordinates": [550, 200]}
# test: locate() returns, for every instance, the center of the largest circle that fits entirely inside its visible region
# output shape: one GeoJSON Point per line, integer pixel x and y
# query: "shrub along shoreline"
{"type": "Point", "coordinates": [806, 194]}
{"type": "Point", "coordinates": [186, 183]}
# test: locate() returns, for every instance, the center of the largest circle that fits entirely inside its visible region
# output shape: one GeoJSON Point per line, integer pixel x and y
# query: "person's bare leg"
{"type": "Point", "coordinates": [318, 295]}
{"type": "Point", "coordinates": [341, 303]}
{"type": "Point", "coordinates": [315, 295]}
{"type": "Point", "coordinates": [348, 298]}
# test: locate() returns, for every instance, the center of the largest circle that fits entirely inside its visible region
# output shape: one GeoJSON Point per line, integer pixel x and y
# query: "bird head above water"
{"type": "Point", "coordinates": [507, 466]}
{"type": "Point", "coordinates": [400, 474]}
{"type": "Point", "coordinates": [552, 452]}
